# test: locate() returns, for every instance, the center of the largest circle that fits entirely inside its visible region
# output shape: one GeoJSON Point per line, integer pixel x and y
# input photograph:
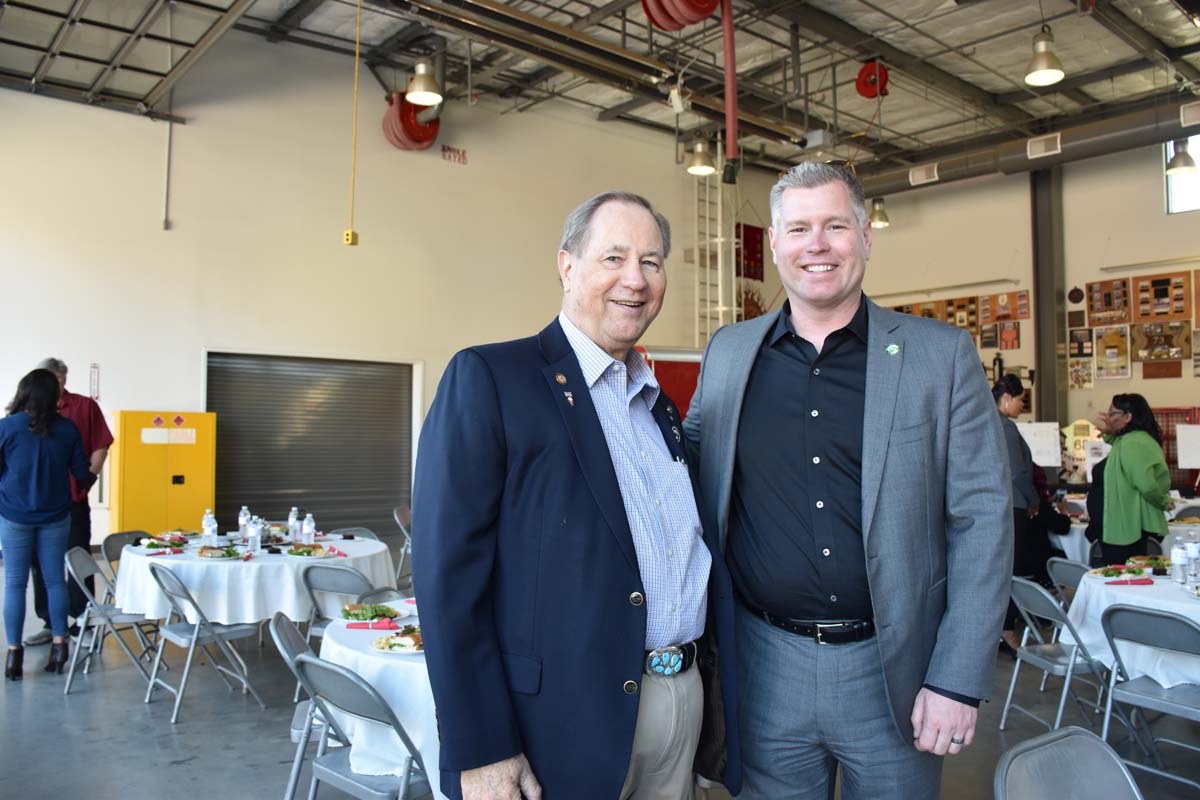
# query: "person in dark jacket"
{"type": "Point", "coordinates": [1009, 395]}
{"type": "Point", "coordinates": [39, 451]}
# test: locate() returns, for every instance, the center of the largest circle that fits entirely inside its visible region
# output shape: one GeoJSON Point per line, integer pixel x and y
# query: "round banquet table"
{"type": "Point", "coordinates": [403, 680]}
{"type": "Point", "coordinates": [1077, 547]}
{"type": "Point", "coordinates": [1095, 594]}
{"type": "Point", "coordinates": [233, 591]}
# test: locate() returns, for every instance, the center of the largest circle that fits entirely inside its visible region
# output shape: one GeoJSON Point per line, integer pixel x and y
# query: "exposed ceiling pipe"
{"type": "Point", "coordinates": [1102, 137]}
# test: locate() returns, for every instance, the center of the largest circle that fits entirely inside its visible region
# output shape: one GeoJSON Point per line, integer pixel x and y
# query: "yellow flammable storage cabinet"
{"type": "Point", "coordinates": [163, 470]}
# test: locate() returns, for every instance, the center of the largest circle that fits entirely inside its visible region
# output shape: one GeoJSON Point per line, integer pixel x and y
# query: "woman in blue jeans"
{"type": "Point", "coordinates": [38, 449]}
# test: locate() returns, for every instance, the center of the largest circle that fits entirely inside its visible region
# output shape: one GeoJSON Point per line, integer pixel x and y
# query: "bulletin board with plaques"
{"type": "Point", "coordinates": [963, 312]}
{"type": "Point", "coordinates": [1003, 307]}
{"type": "Point", "coordinates": [933, 310]}
{"type": "Point", "coordinates": [1161, 341]}
{"type": "Point", "coordinates": [1108, 302]}
{"type": "Point", "coordinates": [1158, 298]}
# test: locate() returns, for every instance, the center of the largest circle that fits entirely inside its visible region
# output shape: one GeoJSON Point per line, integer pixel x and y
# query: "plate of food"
{"type": "Point", "coordinates": [1118, 571]}
{"type": "Point", "coordinates": [308, 551]}
{"type": "Point", "coordinates": [1186, 521]}
{"type": "Point", "coordinates": [168, 539]}
{"type": "Point", "coordinates": [152, 543]}
{"type": "Point", "coordinates": [366, 612]}
{"type": "Point", "coordinates": [406, 641]}
{"type": "Point", "coordinates": [1159, 565]}
{"type": "Point", "coordinates": [219, 552]}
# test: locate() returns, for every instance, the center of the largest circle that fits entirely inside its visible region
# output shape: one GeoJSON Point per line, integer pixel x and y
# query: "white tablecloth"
{"type": "Point", "coordinates": [234, 591]}
{"type": "Point", "coordinates": [1076, 545]}
{"type": "Point", "coordinates": [1095, 595]}
{"type": "Point", "coordinates": [403, 680]}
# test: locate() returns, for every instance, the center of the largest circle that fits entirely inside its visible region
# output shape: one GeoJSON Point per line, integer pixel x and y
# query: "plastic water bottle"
{"type": "Point", "coordinates": [244, 518]}
{"type": "Point", "coordinates": [294, 525]}
{"type": "Point", "coordinates": [1179, 562]}
{"type": "Point", "coordinates": [309, 530]}
{"type": "Point", "coordinates": [254, 531]}
{"type": "Point", "coordinates": [1193, 558]}
{"type": "Point", "coordinates": [209, 528]}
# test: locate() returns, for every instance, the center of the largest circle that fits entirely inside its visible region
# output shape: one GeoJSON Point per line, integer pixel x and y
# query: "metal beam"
{"type": "Point", "coordinates": [633, 104]}
{"type": "Point", "coordinates": [60, 38]}
{"type": "Point", "coordinates": [409, 33]}
{"type": "Point", "coordinates": [1151, 49]}
{"type": "Point", "coordinates": [148, 19]}
{"type": "Point", "coordinates": [292, 18]}
{"type": "Point", "coordinates": [189, 60]}
{"type": "Point", "coordinates": [845, 34]}
{"type": "Point", "coordinates": [74, 95]}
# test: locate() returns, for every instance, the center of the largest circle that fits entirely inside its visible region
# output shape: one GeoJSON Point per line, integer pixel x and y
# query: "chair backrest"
{"type": "Point", "coordinates": [359, 533]}
{"type": "Point", "coordinates": [334, 578]}
{"type": "Point", "coordinates": [177, 594]}
{"type": "Point", "coordinates": [1069, 762]}
{"type": "Point", "coordinates": [114, 543]}
{"type": "Point", "coordinates": [1095, 552]}
{"type": "Point", "coordinates": [1186, 512]}
{"type": "Point", "coordinates": [82, 566]}
{"type": "Point", "coordinates": [383, 595]}
{"type": "Point", "coordinates": [1153, 547]}
{"type": "Point", "coordinates": [1170, 540]}
{"type": "Point", "coordinates": [1065, 572]}
{"type": "Point", "coordinates": [403, 517]}
{"type": "Point", "coordinates": [1150, 627]}
{"type": "Point", "coordinates": [288, 640]}
{"type": "Point", "coordinates": [333, 685]}
{"type": "Point", "coordinates": [1034, 601]}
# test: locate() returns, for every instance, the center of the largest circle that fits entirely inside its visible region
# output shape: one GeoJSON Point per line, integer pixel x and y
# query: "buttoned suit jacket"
{"type": "Point", "coordinates": [936, 518]}
{"type": "Point", "coordinates": [525, 573]}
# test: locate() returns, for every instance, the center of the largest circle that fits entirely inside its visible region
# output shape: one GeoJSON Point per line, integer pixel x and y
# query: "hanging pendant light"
{"type": "Point", "coordinates": [700, 163]}
{"type": "Point", "coordinates": [879, 217]}
{"type": "Point", "coordinates": [1044, 68]}
{"type": "Point", "coordinates": [423, 89]}
{"type": "Point", "coordinates": [1181, 162]}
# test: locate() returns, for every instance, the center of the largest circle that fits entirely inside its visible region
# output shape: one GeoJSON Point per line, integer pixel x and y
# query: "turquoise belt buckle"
{"type": "Point", "coordinates": [665, 661]}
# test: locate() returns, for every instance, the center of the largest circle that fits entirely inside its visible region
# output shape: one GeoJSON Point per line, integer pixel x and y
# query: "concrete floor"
{"type": "Point", "coordinates": [102, 742]}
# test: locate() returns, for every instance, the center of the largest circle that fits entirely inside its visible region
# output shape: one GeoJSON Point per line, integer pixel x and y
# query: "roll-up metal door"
{"type": "Point", "coordinates": [331, 437]}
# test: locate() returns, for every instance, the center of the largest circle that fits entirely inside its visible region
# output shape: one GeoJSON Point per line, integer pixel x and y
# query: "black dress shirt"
{"type": "Point", "coordinates": [795, 531]}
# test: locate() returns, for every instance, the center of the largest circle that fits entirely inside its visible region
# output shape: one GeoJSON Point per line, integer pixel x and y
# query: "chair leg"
{"type": "Point", "coordinates": [1108, 705]}
{"type": "Point", "coordinates": [1012, 687]}
{"type": "Point", "coordinates": [1062, 700]}
{"type": "Point", "coordinates": [158, 657]}
{"type": "Point", "coordinates": [324, 741]}
{"type": "Point", "coordinates": [83, 622]}
{"type": "Point", "coordinates": [137, 662]}
{"type": "Point", "coordinates": [187, 669]}
{"type": "Point", "coordinates": [298, 761]}
{"type": "Point", "coordinates": [242, 670]}
{"type": "Point", "coordinates": [215, 664]}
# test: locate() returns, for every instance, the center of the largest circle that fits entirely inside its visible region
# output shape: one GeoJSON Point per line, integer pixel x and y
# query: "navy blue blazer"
{"type": "Point", "coordinates": [524, 568]}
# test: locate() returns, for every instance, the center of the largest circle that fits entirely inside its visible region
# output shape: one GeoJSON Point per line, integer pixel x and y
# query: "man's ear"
{"type": "Point", "coordinates": [564, 269]}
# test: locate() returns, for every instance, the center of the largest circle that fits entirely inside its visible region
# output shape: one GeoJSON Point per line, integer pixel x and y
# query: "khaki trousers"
{"type": "Point", "coordinates": [664, 743]}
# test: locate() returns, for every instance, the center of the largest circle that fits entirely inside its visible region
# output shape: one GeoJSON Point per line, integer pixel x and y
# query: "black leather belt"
{"type": "Point", "coordinates": [670, 660]}
{"type": "Point", "coordinates": [843, 632]}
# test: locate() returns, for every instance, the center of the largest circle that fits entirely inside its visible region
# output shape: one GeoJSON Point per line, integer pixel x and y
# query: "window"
{"type": "Point", "coordinates": [1183, 189]}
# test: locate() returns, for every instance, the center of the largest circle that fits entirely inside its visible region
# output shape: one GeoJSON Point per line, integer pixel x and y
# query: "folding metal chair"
{"type": "Point", "coordinates": [306, 717]}
{"type": "Point", "coordinates": [403, 517]}
{"type": "Point", "coordinates": [382, 596]}
{"type": "Point", "coordinates": [359, 533]}
{"type": "Point", "coordinates": [100, 618]}
{"type": "Point", "coordinates": [1166, 631]}
{"type": "Point", "coordinates": [334, 579]}
{"type": "Point", "coordinates": [1070, 762]}
{"type": "Point", "coordinates": [335, 688]}
{"type": "Point", "coordinates": [1066, 575]}
{"type": "Point", "coordinates": [202, 633]}
{"type": "Point", "coordinates": [1065, 661]}
{"type": "Point", "coordinates": [1096, 553]}
{"type": "Point", "coordinates": [110, 555]}
{"type": "Point", "coordinates": [1153, 546]}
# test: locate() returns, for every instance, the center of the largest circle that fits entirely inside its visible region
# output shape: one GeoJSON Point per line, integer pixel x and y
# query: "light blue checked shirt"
{"type": "Point", "coordinates": [656, 490]}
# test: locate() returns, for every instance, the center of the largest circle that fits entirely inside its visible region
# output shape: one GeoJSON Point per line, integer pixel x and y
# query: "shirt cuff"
{"type": "Point", "coordinates": [973, 702]}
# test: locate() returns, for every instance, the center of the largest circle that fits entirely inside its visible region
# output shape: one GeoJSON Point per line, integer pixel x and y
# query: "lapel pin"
{"type": "Point", "coordinates": [562, 379]}
{"type": "Point", "coordinates": [675, 431]}
{"type": "Point", "coordinates": [570, 399]}
{"type": "Point", "coordinates": [893, 349]}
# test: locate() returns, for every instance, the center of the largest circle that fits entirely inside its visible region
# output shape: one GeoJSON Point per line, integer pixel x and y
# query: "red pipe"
{"type": "Point", "coordinates": [731, 138]}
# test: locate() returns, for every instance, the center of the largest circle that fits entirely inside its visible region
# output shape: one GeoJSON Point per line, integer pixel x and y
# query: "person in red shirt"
{"type": "Point", "coordinates": [87, 416]}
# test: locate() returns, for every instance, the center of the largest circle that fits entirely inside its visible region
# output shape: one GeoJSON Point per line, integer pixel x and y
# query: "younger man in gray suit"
{"type": "Point", "coordinates": [853, 466]}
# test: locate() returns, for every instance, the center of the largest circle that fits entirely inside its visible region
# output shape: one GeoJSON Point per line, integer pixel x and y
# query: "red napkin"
{"type": "Point", "coordinates": [333, 550]}
{"type": "Point", "coordinates": [375, 625]}
{"type": "Point", "coordinates": [1132, 582]}
{"type": "Point", "coordinates": [174, 551]}
{"type": "Point", "coordinates": [248, 556]}
{"type": "Point", "coordinates": [411, 601]}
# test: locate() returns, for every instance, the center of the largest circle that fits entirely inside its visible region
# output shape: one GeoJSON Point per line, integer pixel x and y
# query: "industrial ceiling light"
{"type": "Point", "coordinates": [1044, 68]}
{"type": "Point", "coordinates": [700, 163]}
{"type": "Point", "coordinates": [1181, 162]}
{"type": "Point", "coordinates": [879, 217]}
{"type": "Point", "coordinates": [423, 89]}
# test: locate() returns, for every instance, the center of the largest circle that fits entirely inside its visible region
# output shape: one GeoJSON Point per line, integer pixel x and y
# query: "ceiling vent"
{"type": "Point", "coordinates": [926, 173]}
{"type": "Point", "coordinates": [1189, 115]}
{"type": "Point", "coordinates": [1042, 146]}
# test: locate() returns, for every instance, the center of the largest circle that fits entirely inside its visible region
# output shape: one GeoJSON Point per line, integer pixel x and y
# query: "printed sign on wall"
{"type": "Point", "coordinates": [1112, 352]}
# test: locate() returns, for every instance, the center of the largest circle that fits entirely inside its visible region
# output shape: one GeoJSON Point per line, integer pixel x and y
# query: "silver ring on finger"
{"type": "Point", "coordinates": [956, 741]}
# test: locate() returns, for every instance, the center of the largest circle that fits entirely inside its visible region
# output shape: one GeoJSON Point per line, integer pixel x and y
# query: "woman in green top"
{"type": "Point", "coordinates": [1137, 484]}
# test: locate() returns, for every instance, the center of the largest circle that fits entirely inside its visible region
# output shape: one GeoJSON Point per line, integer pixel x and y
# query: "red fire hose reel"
{"type": "Point", "coordinates": [401, 127]}
{"type": "Point", "coordinates": [673, 15]}
{"type": "Point", "coordinates": [872, 80]}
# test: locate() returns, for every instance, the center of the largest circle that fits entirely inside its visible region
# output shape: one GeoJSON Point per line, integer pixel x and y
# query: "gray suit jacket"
{"type": "Point", "coordinates": [936, 506]}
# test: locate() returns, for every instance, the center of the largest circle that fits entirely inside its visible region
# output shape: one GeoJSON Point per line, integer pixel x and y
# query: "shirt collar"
{"type": "Point", "coordinates": [594, 361]}
{"type": "Point", "coordinates": [857, 325]}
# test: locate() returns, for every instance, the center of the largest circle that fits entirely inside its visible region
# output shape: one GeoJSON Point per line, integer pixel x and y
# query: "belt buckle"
{"type": "Point", "coordinates": [821, 626]}
{"type": "Point", "coordinates": [665, 661]}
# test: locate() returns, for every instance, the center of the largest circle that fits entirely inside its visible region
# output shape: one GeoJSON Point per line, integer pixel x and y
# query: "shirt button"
{"type": "Point", "coordinates": [816, 413]}
{"type": "Point", "coordinates": [825, 552]}
{"type": "Point", "coordinates": [636, 599]}
{"type": "Point", "coordinates": [820, 504]}
{"type": "Point", "coordinates": [670, 552]}
{"type": "Point", "coordinates": [817, 371]}
{"type": "Point", "coordinates": [816, 459]}
{"type": "Point", "coordinates": [642, 454]}
{"type": "Point", "coordinates": [674, 607]}
{"type": "Point", "coordinates": [833, 597]}
{"type": "Point", "coordinates": [658, 502]}
{"type": "Point", "coordinates": [631, 687]}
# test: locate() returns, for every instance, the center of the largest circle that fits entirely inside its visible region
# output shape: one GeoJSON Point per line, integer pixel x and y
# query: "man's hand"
{"type": "Point", "coordinates": [937, 719]}
{"type": "Point", "coordinates": [510, 779]}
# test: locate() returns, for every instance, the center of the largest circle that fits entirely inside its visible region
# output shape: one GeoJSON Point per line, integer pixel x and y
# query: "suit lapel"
{"type": "Point", "coordinates": [574, 403]}
{"type": "Point", "coordinates": [885, 357]}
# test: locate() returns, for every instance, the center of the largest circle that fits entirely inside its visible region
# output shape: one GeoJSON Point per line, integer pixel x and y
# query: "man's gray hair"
{"type": "Point", "coordinates": [810, 175]}
{"type": "Point", "coordinates": [55, 365]}
{"type": "Point", "coordinates": [577, 228]}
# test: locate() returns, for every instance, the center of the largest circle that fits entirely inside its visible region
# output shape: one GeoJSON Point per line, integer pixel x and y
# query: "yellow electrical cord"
{"type": "Point", "coordinates": [351, 237]}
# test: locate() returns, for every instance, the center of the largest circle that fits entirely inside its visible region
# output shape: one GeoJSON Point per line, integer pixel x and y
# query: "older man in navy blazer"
{"type": "Point", "coordinates": [560, 568]}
